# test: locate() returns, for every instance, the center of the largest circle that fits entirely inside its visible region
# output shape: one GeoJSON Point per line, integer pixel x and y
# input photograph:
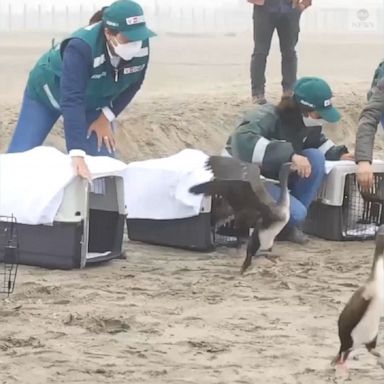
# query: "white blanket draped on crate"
{"type": "Point", "coordinates": [32, 184]}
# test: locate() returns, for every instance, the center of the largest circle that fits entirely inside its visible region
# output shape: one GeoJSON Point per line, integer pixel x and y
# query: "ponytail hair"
{"type": "Point", "coordinates": [98, 16]}
{"type": "Point", "coordinates": [290, 111]}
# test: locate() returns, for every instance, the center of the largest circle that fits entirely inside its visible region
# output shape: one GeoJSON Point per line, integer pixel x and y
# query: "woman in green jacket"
{"type": "Point", "coordinates": [89, 78]}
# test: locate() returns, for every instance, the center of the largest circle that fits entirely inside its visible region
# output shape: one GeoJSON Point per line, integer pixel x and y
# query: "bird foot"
{"type": "Point", "coordinates": [342, 375]}
{"type": "Point", "coordinates": [272, 258]}
{"type": "Point", "coordinates": [341, 371]}
{"type": "Point", "coordinates": [260, 255]}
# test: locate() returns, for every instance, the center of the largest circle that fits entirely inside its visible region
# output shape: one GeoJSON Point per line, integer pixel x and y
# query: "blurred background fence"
{"type": "Point", "coordinates": [190, 17]}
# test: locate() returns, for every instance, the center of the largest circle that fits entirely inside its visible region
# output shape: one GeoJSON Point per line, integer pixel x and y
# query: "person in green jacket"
{"type": "Point", "coordinates": [291, 132]}
{"type": "Point", "coordinates": [89, 78]}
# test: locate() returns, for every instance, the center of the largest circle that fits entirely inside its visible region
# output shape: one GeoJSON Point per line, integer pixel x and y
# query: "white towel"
{"type": "Point", "coordinates": [159, 188]}
{"type": "Point", "coordinates": [32, 184]}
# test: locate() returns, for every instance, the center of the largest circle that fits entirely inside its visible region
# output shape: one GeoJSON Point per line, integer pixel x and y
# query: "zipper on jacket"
{"type": "Point", "coordinates": [116, 75]}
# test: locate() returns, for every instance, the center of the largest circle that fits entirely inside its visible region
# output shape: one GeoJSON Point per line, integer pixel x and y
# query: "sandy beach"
{"type": "Point", "coordinates": [164, 315]}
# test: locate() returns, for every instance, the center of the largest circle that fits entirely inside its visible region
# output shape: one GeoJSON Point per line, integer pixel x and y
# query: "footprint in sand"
{"type": "Point", "coordinates": [13, 342]}
{"type": "Point", "coordinates": [97, 324]}
{"type": "Point", "coordinates": [208, 347]}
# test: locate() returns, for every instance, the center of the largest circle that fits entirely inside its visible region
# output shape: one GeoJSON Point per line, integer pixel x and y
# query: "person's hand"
{"type": "Point", "coordinates": [301, 5]}
{"type": "Point", "coordinates": [302, 165]}
{"type": "Point", "coordinates": [347, 156]}
{"type": "Point", "coordinates": [103, 130]}
{"type": "Point", "coordinates": [80, 168]}
{"type": "Point", "coordinates": [365, 175]}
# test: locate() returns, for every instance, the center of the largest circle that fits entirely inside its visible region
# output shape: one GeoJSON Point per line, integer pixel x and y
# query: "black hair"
{"type": "Point", "coordinates": [97, 16]}
{"type": "Point", "coordinates": [290, 111]}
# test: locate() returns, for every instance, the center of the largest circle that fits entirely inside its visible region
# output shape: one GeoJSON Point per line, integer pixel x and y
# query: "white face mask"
{"type": "Point", "coordinates": [311, 122]}
{"type": "Point", "coordinates": [129, 50]}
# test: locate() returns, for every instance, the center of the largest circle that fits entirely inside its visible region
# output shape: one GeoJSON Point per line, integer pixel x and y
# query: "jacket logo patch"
{"type": "Point", "coordinates": [136, 68]}
{"type": "Point", "coordinates": [97, 61]}
{"type": "Point", "coordinates": [99, 75]}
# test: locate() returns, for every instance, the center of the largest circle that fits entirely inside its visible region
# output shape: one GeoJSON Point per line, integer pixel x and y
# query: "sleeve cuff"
{"type": "Point", "coordinates": [77, 153]}
{"type": "Point", "coordinates": [108, 114]}
{"type": "Point", "coordinates": [359, 160]}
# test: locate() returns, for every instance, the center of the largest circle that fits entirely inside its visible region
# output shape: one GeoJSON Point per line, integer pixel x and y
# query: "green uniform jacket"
{"type": "Point", "coordinates": [263, 138]}
{"type": "Point", "coordinates": [105, 84]}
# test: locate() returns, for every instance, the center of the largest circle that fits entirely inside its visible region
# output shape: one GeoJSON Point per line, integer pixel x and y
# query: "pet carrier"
{"type": "Point", "coordinates": [203, 232]}
{"type": "Point", "coordinates": [88, 227]}
{"type": "Point", "coordinates": [342, 211]}
{"type": "Point", "coordinates": [9, 253]}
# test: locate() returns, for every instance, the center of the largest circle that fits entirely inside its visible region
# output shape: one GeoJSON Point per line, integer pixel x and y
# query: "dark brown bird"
{"type": "Point", "coordinates": [360, 319]}
{"type": "Point", "coordinates": [376, 193]}
{"type": "Point", "coordinates": [239, 183]}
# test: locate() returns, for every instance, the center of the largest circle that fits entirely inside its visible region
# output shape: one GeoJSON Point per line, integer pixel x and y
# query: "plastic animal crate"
{"type": "Point", "coordinates": [197, 233]}
{"type": "Point", "coordinates": [9, 253]}
{"type": "Point", "coordinates": [342, 211]}
{"type": "Point", "coordinates": [88, 228]}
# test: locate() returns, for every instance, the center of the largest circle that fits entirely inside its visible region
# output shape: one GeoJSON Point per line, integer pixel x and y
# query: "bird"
{"type": "Point", "coordinates": [358, 323]}
{"type": "Point", "coordinates": [241, 185]}
{"type": "Point", "coordinates": [375, 194]}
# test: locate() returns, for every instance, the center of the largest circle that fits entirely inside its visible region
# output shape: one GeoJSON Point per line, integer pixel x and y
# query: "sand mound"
{"type": "Point", "coordinates": [162, 126]}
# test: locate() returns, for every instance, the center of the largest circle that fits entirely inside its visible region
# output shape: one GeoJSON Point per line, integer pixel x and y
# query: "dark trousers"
{"type": "Point", "coordinates": [287, 26]}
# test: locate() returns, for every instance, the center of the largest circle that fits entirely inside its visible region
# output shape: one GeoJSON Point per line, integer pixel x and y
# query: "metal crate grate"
{"type": "Point", "coordinates": [9, 253]}
{"type": "Point", "coordinates": [362, 210]}
{"type": "Point", "coordinates": [223, 231]}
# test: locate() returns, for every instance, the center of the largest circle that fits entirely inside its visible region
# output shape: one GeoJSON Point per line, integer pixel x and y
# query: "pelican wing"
{"type": "Point", "coordinates": [230, 169]}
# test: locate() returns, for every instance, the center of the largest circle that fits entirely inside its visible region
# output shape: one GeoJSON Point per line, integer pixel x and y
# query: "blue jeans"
{"type": "Point", "coordinates": [303, 190]}
{"type": "Point", "coordinates": [36, 121]}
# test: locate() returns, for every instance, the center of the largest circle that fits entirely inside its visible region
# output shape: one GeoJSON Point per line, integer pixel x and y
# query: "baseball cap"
{"type": "Point", "coordinates": [315, 93]}
{"type": "Point", "coordinates": [127, 17]}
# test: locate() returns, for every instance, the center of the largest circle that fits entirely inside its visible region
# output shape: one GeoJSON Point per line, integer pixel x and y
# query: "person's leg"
{"type": "Point", "coordinates": [263, 28]}
{"type": "Point", "coordinates": [92, 141]}
{"type": "Point", "coordinates": [288, 28]}
{"type": "Point", "coordinates": [306, 189]}
{"type": "Point", "coordinates": [34, 124]}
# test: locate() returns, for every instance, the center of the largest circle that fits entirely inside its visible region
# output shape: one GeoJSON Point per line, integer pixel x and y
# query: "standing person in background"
{"type": "Point", "coordinates": [284, 16]}
{"type": "Point", "coordinates": [89, 79]}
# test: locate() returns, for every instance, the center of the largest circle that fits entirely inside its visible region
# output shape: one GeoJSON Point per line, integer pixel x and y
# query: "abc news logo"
{"type": "Point", "coordinates": [363, 20]}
